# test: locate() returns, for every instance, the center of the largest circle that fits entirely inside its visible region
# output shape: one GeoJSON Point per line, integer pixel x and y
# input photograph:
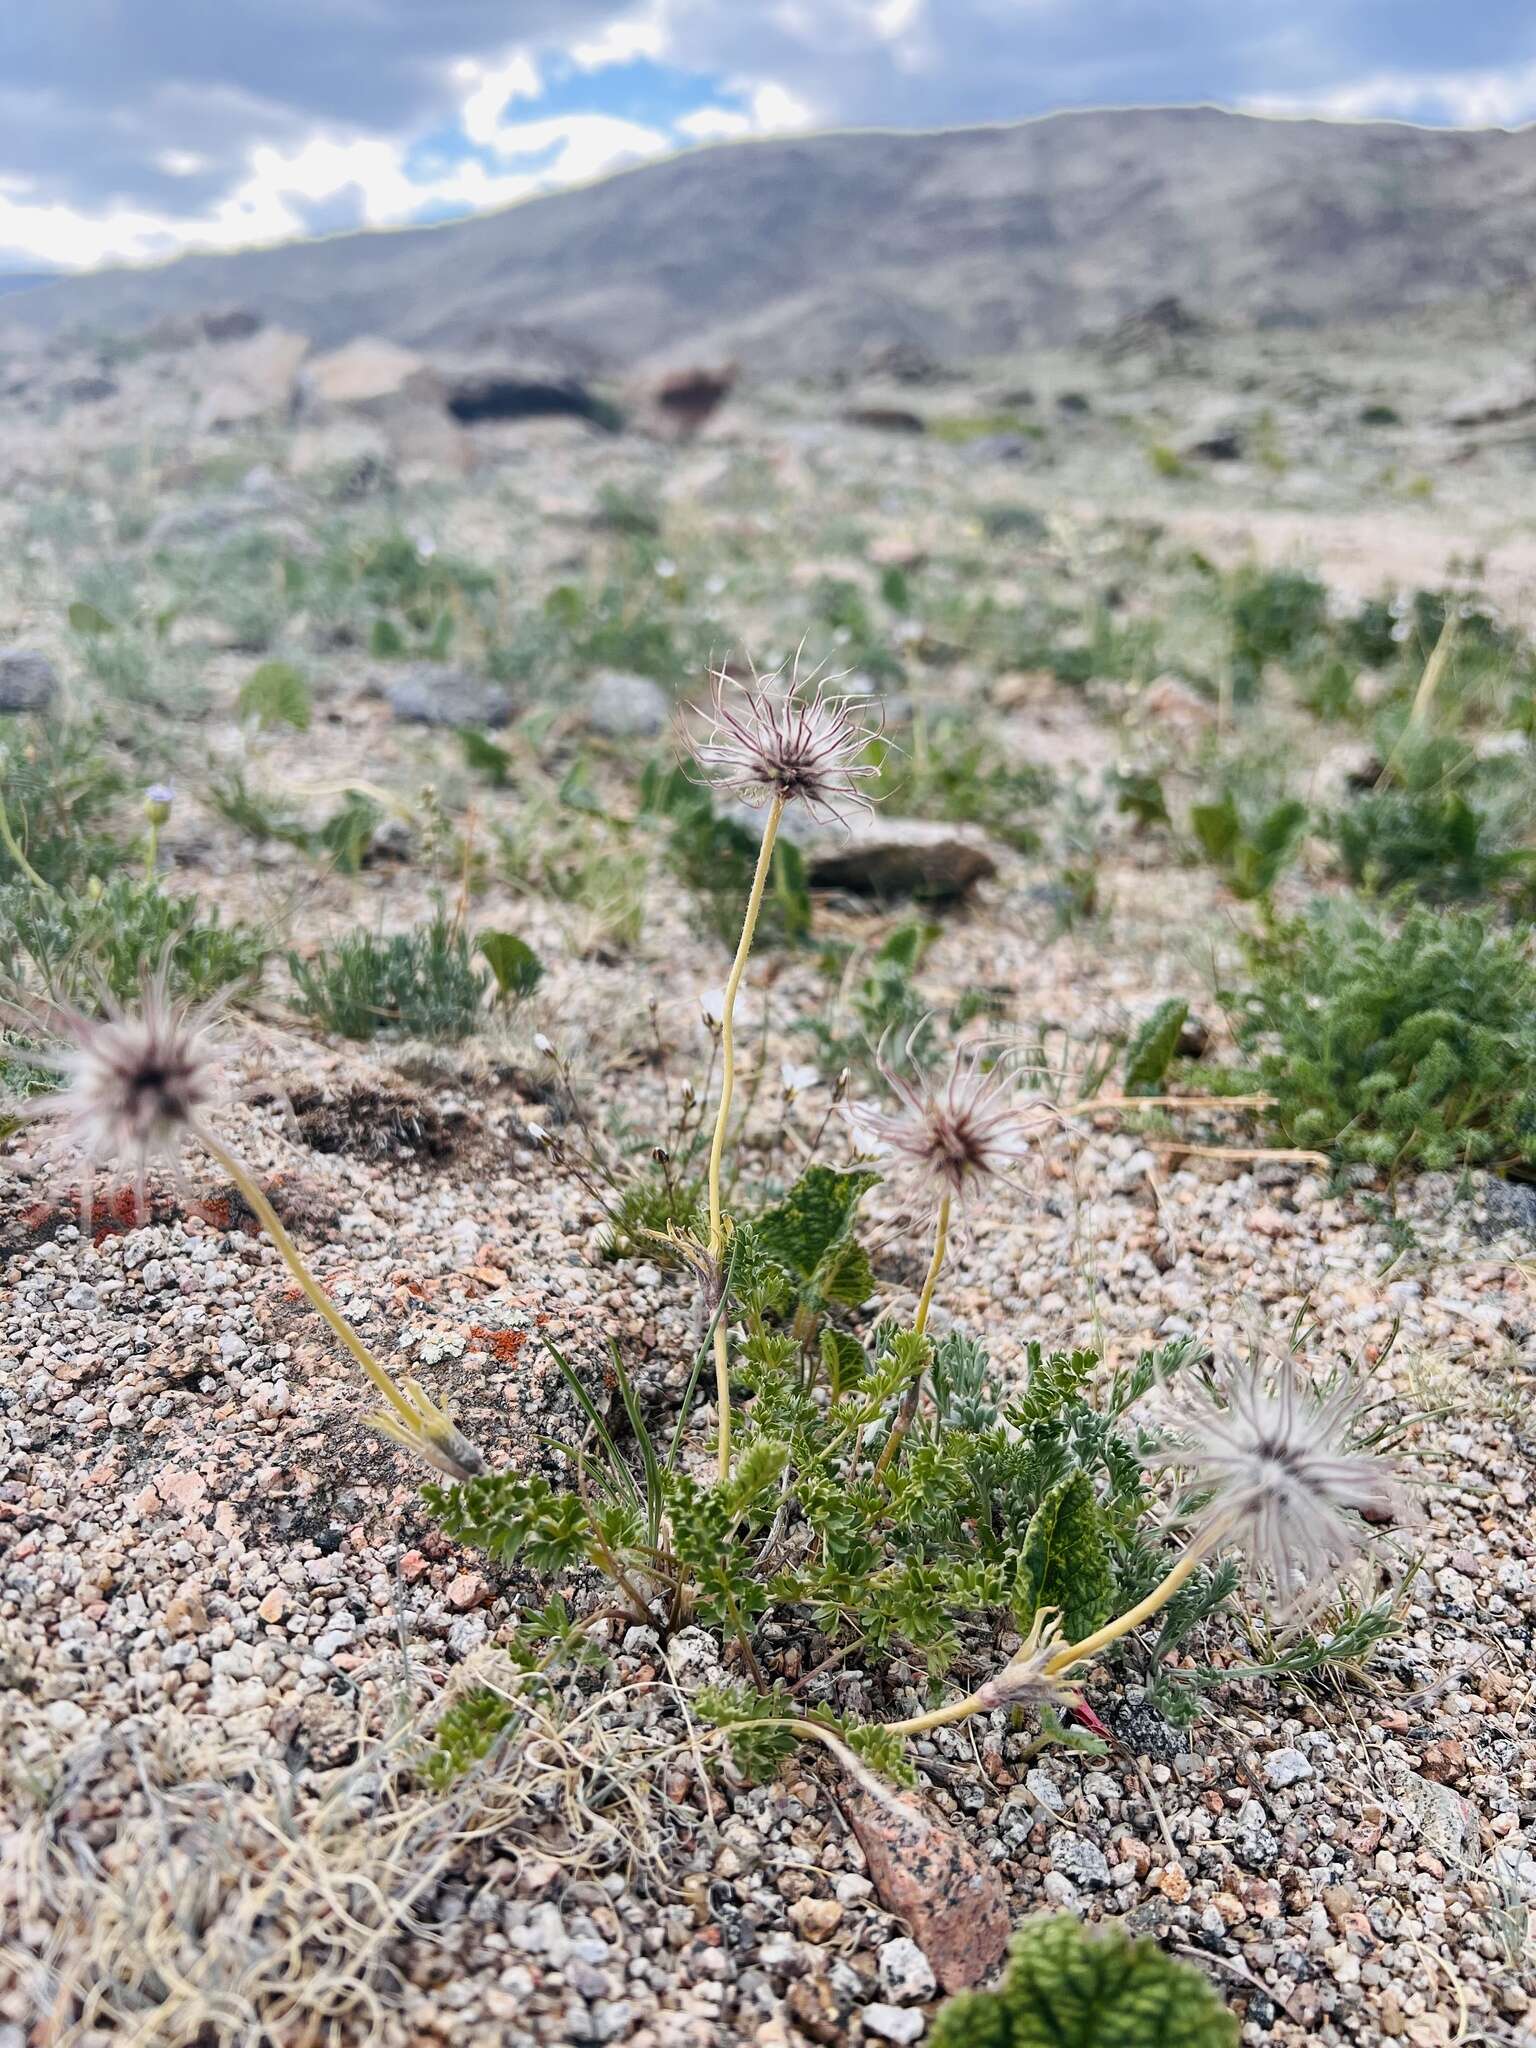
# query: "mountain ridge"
{"type": "Point", "coordinates": [796, 254]}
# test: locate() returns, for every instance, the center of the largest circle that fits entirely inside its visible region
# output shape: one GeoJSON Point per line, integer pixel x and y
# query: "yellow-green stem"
{"type": "Point", "coordinates": [1091, 1646]}
{"type": "Point", "coordinates": [8, 841]}
{"type": "Point", "coordinates": [908, 1407]}
{"type": "Point", "coordinates": [314, 1293]}
{"type": "Point", "coordinates": [722, 1118]}
{"type": "Point", "coordinates": [151, 852]}
{"type": "Point", "coordinates": [1076, 1653]}
{"type": "Point", "coordinates": [940, 1245]}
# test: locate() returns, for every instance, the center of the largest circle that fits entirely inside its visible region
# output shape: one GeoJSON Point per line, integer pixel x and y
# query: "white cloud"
{"type": "Point", "coordinates": [716, 124]}
{"type": "Point", "coordinates": [1468, 99]}
{"type": "Point", "coordinates": [778, 111]}
{"type": "Point", "coordinates": [181, 163]}
{"type": "Point", "coordinates": [620, 42]}
{"type": "Point", "coordinates": [491, 88]}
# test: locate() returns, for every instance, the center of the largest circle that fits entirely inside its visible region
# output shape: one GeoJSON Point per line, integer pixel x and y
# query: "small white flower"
{"type": "Point", "coordinates": [712, 1006]}
{"type": "Point", "coordinates": [537, 1132]}
{"type": "Point", "coordinates": [796, 1080]}
{"type": "Point", "coordinates": [543, 1045]}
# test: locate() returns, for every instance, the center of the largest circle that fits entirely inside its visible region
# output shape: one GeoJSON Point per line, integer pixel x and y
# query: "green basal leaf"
{"type": "Point", "coordinates": [1064, 1562]}
{"type": "Point", "coordinates": [516, 966]}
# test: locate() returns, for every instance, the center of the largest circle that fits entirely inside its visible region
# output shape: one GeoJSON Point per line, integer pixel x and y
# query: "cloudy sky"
{"type": "Point", "coordinates": [131, 129]}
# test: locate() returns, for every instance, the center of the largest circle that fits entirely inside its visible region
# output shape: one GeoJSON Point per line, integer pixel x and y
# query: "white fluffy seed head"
{"type": "Point", "coordinates": [952, 1137]}
{"type": "Point", "coordinates": [137, 1084]}
{"type": "Point", "coordinates": [1281, 1475]}
{"type": "Point", "coordinates": [772, 739]}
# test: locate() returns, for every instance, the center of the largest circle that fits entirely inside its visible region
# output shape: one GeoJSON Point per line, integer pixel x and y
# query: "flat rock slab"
{"type": "Point", "coordinates": [28, 680]}
{"type": "Point", "coordinates": [880, 856]}
{"type": "Point", "coordinates": [435, 693]}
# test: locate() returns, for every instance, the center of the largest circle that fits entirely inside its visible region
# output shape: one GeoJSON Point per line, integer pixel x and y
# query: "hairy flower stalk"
{"type": "Point", "coordinates": [776, 747]}
{"type": "Point", "coordinates": [138, 1088]}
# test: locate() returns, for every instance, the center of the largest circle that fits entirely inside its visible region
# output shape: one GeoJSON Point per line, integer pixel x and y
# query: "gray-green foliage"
{"type": "Point", "coordinates": [1399, 1044]}
{"type": "Point", "coordinates": [1068, 1986]}
{"type": "Point", "coordinates": [992, 1508]}
{"type": "Point", "coordinates": [420, 983]}
{"type": "Point", "coordinates": [80, 941]}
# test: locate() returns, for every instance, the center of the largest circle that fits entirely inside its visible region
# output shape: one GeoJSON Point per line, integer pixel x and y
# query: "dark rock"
{"type": "Point", "coordinates": [28, 681]}
{"type": "Point", "coordinates": [434, 693]}
{"type": "Point", "coordinates": [1144, 1732]}
{"type": "Point", "coordinates": [904, 362]}
{"type": "Point", "coordinates": [1073, 402]}
{"type": "Point", "coordinates": [87, 389]}
{"type": "Point", "coordinates": [230, 323]}
{"type": "Point", "coordinates": [1226, 446]}
{"type": "Point", "coordinates": [918, 857]}
{"type": "Point", "coordinates": [687, 399]}
{"type": "Point", "coordinates": [477, 392]}
{"type": "Point", "coordinates": [625, 707]}
{"type": "Point", "coordinates": [886, 419]}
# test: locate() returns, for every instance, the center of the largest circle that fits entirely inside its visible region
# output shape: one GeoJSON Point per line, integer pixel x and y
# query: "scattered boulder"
{"type": "Point", "coordinates": [436, 693]}
{"type": "Point", "coordinates": [370, 375]}
{"type": "Point", "coordinates": [903, 362]}
{"type": "Point", "coordinates": [352, 455]}
{"type": "Point", "coordinates": [1225, 445]}
{"type": "Point", "coordinates": [89, 388]}
{"type": "Point", "coordinates": [476, 392]}
{"type": "Point", "coordinates": [230, 323]}
{"type": "Point", "coordinates": [256, 378]}
{"type": "Point", "coordinates": [28, 680]}
{"type": "Point", "coordinates": [1075, 403]}
{"type": "Point", "coordinates": [1512, 397]}
{"type": "Point", "coordinates": [886, 419]}
{"type": "Point", "coordinates": [1166, 320]}
{"type": "Point", "coordinates": [882, 856]}
{"type": "Point", "coordinates": [687, 400]}
{"type": "Point", "coordinates": [625, 707]}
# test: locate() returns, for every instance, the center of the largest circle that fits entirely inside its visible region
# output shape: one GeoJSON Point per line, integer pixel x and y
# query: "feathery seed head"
{"type": "Point", "coordinates": [769, 739]}
{"type": "Point", "coordinates": [951, 1138]}
{"type": "Point", "coordinates": [1284, 1480]}
{"type": "Point", "coordinates": [136, 1084]}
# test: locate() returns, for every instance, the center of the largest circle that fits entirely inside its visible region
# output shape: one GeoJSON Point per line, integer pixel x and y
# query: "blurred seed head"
{"type": "Point", "coordinates": [1277, 1468]}
{"type": "Point", "coordinates": [953, 1136]}
{"type": "Point", "coordinates": [137, 1084]}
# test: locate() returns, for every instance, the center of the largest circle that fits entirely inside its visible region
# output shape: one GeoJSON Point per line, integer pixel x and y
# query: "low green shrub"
{"type": "Point", "coordinates": [113, 935]}
{"type": "Point", "coordinates": [419, 983]}
{"type": "Point", "coordinates": [1395, 1045]}
{"type": "Point", "coordinates": [1070, 1986]}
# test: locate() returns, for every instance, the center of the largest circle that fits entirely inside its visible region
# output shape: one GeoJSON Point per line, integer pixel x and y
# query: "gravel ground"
{"type": "Point", "coordinates": [219, 1597]}
{"type": "Point", "coordinates": [199, 1533]}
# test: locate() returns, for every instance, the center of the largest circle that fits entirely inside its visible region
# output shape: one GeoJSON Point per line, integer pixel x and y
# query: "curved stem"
{"type": "Point", "coordinates": [415, 1418]}
{"type": "Point", "coordinates": [908, 1409]}
{"type": "Point", "coordinates": [8, 841]}
{"type": "Point", "coordinates": [722, 1116]}
{"type": "Point", "coordinates": [986, 1696]}
{"type": "Point", "coordinates": [1199, 1550]}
